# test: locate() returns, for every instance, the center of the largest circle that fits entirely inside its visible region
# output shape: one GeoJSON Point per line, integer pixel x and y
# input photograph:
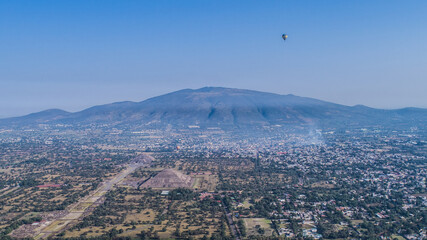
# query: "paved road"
{"type": "Point", "coordinates": [84, 205]}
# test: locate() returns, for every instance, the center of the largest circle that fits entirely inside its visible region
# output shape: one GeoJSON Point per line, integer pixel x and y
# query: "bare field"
{"type": "Point", "coordinates": [253, 224]}
{"type": "Point", "coordinates": [144, 215]}
{"type": "Point", "coordinates": [205, 182]}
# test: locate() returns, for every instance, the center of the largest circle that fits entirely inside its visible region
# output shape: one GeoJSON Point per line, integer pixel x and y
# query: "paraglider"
{"type": "Point", "coordinates": [284, 36]}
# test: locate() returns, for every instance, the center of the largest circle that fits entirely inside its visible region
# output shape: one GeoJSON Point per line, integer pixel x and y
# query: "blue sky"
{"type": "Point", "coordinates": [76, 54]}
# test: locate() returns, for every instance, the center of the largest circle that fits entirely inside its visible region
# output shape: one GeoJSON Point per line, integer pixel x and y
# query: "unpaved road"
{"type": "Point", "coordinates": [85, 205]}
{"type": "Point", "coordinates": [233, 228]}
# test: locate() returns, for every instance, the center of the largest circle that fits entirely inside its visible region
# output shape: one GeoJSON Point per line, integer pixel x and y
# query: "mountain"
{"type": "Point", "coordinates": [224, 107]}
{"type": "Point", "coordinates": [36, 118]}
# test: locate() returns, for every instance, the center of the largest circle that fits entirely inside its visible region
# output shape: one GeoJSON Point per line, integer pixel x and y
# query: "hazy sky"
{"type": "Point", "coordinates": [76, 54]}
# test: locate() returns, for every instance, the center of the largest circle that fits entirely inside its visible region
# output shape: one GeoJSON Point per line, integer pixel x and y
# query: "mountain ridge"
{"type": "Point", "coordinates": [217, 106]}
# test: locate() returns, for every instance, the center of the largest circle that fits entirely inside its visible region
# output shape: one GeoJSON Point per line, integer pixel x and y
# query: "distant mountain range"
{"type": "Point", "coordinates": [222, 107]}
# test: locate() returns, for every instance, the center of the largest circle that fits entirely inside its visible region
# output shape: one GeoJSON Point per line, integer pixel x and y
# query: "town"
{"type": "Point", "coordinates": [208, 183]}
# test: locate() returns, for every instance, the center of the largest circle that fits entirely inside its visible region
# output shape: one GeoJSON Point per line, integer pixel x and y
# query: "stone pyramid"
{"type": "Point", "coordinates": [169, 178]}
